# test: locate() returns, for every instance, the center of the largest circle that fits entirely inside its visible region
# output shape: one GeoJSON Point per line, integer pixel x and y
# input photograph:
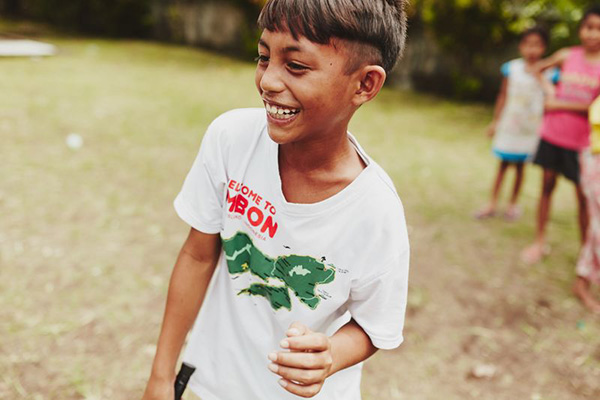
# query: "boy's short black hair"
{"type": "Point", "coordinates": [378, 27]}
{"type": "Point", "coordinates": [592, 10]}
{"type": "Point", "coordinates": [536, 30]}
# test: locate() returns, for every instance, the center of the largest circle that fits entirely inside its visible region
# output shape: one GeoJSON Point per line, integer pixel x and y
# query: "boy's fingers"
{"type": "Point", "coordinates": [297, 329]}
{"type": "Point", "coordinates": [302, 376]}
{"type": "Point", "coordinates": [300, 390]}
{"type": "Point", "coordinates": [302, 360]}
{"type": "Point", "coordinates": [312, 342]}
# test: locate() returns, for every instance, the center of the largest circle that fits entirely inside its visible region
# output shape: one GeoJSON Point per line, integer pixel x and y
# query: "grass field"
{"type": "Point", "coordinates": [88, 237]}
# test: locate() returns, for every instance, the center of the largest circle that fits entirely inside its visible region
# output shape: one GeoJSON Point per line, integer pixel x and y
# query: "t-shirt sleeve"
{"type": "Point", "coordinates": [378, 304]}
{"type": "Point", "coordinates": [505, 69]}
{"type": "Point", "coordinates": [200, 201]}
{"type": "Point", "coordinates": [553, 75]}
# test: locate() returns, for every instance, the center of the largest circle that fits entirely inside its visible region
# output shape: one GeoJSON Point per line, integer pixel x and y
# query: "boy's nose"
{"type": "Point", "coordinates": [271, 80]}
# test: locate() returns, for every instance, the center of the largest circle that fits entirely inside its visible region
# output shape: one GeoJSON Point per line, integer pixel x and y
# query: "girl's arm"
{"type": "Point", "coordinates": [189, 280]}
{"type": "Point", "coordinates": [500, 102]}
{"type": "Point", "coordinates": [553, 104]}
{"type": "Point", "coordinates": [555, 60]}
{"type": "Point", "coordinates": [547, 86]}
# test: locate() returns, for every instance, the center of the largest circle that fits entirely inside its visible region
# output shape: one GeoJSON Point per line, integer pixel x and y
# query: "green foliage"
{"type": "Point", "coordinates": [472, 31]}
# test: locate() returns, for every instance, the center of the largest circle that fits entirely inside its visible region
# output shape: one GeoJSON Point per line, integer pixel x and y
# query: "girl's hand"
{"type": "Point", "coordinates": [551, 104]}
{"type": "Point", "coordinates": [491, 129]}
{"type": "Point", "coordinates": [307, 364]}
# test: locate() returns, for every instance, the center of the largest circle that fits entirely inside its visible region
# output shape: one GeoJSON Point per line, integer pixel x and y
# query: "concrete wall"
{"type": "Point", "coordinates": [213, 24]}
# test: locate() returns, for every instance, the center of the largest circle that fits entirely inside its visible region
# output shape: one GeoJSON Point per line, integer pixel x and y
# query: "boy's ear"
{"type": "Point", "coordinates": [371, 79]}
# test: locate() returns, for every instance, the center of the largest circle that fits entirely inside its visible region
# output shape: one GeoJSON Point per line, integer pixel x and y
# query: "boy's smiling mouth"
{"type": "Point", "coordinates": [281, 113]}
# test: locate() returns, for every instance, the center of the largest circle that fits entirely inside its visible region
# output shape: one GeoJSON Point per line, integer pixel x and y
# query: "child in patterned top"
{"type": "Point", "coordinates": [588, 265]}
{"type": "Point", "coordinates": [517, 117]}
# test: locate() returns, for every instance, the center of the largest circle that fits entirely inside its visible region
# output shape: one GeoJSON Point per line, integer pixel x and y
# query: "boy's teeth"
{"type": "Point", "coordinates": [279, 111]}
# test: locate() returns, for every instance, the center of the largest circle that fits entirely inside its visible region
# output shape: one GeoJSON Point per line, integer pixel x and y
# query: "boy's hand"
{"type": "Point", "coordinates": [308, 363]}
{"type": "Point", "coordinates": [159, 389]}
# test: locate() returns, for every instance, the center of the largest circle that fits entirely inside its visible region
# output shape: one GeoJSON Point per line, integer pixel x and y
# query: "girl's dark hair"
{"type": "Point", "coordinates": [536, 30]}
{"type": "Point", "coordinates": [379, 24]}
{"type": "Point", "coordinates": [592, 10]}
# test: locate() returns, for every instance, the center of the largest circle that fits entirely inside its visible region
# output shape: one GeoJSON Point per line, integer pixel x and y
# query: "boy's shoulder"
{"type": "Point", "coordinates": [235, 129]}
{"type": "Point", "coordinates": [382, 214]}
{"type": "Point", "coordinates": [381, 188]}
{"type": "Point", "coordinates": [380, 201]}
{"type": "Point", "coordinates": [239, 121]}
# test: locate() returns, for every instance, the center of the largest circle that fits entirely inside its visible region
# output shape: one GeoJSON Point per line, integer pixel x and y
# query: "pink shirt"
{"type": "Point", "coordinates": [579, 82]}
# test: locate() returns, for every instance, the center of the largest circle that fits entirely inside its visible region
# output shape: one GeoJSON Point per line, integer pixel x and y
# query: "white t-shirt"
{"type": "Point", "coordinates": [518, 129]}
{"type": "Point", "coordinates": [320, 264]}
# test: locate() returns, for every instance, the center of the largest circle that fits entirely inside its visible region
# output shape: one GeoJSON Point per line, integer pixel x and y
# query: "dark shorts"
{"type": "Point", "coordinates": [561, 160]}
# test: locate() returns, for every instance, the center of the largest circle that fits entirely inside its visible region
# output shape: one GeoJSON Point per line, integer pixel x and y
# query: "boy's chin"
{"type": "Point", "coordinates": [281, 135]}
{"type": "Point", "coordinates": [278, 135]}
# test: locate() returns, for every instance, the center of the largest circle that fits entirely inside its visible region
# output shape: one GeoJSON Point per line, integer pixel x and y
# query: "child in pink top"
{"type": "Point", "coordinates": [565, 129]}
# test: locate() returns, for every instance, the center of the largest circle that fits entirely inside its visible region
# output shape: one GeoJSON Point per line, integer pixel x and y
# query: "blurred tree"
{"type": "Point", "coordinates": [10, 7]}
{"type": "Point", "coordinates": [471, 32]}
{"type": "Point", "coordinates": [472, 35]}
{"type": "Point", "coordinates": [105, 17]}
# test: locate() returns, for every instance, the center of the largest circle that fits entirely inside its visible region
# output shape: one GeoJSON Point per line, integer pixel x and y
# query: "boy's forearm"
{"type": "Point", "coordinates": [187, 288]}
{"type": "Point", "coordinates": [349, 346]}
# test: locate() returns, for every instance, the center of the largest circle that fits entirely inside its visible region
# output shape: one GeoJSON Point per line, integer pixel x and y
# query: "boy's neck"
{"type": "Point", "coordinates": [314, 171]}
{"type": "Point", "coordinates": [325, 153]}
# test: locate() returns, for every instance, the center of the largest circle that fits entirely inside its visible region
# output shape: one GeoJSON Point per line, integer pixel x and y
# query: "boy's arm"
{"type": "Point", "coordinates": [189, 280]}
{"type": "Point", "coordinates": [500, 102]}
{"type": "Point", "coordinates": [313, 357]}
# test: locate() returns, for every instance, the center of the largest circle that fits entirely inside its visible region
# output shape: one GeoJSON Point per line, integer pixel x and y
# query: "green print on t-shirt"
{"type": "Point", "coordinates": [300, 273]}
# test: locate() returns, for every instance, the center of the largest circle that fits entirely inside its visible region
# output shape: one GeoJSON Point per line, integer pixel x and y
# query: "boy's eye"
{"type": "Point", "coordinates": [297, 67]}
{"type": "Point", "coordinates": [261, 59]}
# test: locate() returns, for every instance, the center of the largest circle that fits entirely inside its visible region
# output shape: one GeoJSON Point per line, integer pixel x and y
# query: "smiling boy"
{"type": "Point", "coordinates": [300, 233]}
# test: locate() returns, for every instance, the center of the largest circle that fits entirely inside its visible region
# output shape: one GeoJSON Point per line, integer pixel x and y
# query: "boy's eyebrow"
{"type": "Point", "coordinates": [263, 43]}
{"type": "Point", "coordinates": [288, 49]}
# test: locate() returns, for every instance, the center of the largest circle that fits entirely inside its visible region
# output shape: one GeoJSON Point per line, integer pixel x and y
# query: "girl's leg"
{"type": "Point", "coordinates": [490, 209]}
{"type": "Point", "coordinates": [583, 212]}
{"type": "Point", "coordinates": [513, 212]}
{"type": "Point", "coordinates": [581, 288]}
{"type": "Point", "coordinates": [535, 252]}
{"type": "Point", "coordinates": [588, 264]}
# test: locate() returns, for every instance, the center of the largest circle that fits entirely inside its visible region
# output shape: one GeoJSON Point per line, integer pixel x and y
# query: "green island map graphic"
{"type": "Point", "coordinates": [301, 274]}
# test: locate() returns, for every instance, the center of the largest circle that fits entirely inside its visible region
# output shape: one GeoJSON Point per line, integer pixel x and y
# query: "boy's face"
{"type": "Point", "coordinates": [304, 86]}
{"type": "Point", "coordinates": [589, 33]}
{"type": "Point", "coordinates": [532, 47]}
